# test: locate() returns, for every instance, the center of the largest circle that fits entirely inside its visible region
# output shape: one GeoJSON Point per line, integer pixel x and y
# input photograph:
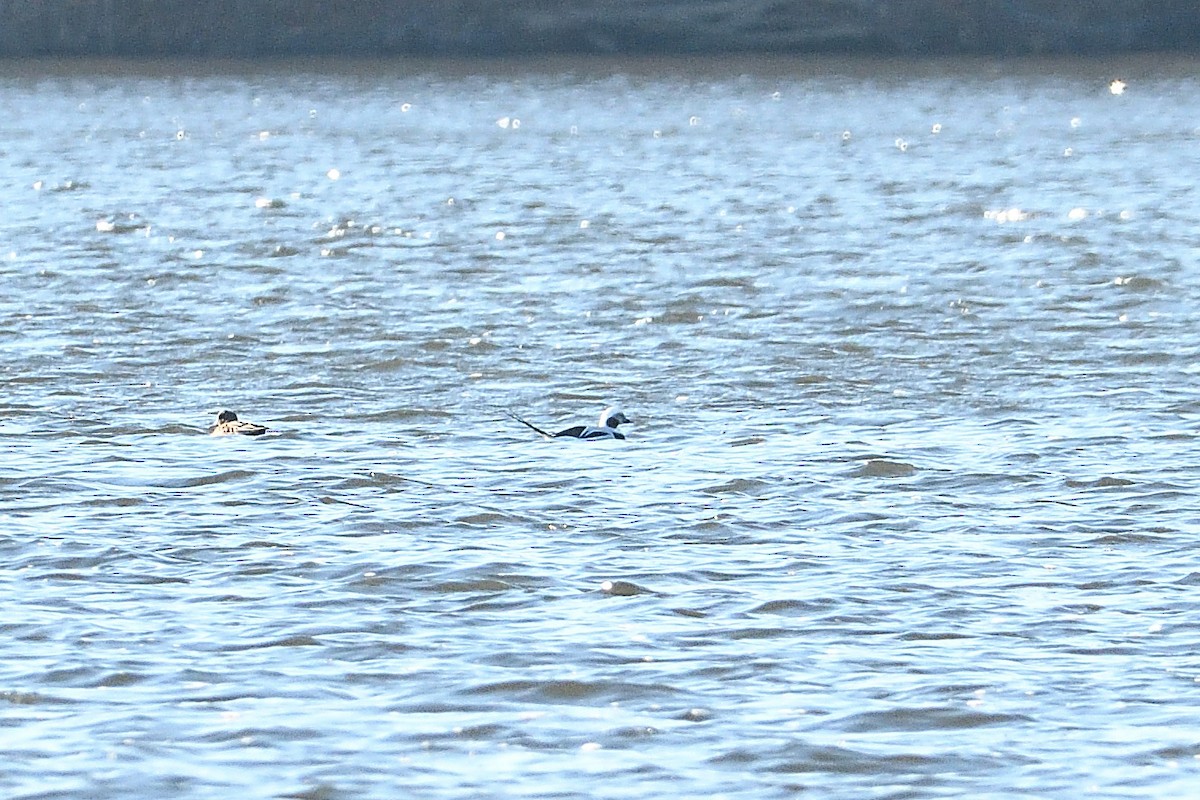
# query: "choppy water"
{"type": "Point", "coordinates": [908, 508]}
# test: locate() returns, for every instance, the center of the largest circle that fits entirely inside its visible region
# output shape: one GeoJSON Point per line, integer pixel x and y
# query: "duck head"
{"type": "Point", "coordinates": [611, 417]}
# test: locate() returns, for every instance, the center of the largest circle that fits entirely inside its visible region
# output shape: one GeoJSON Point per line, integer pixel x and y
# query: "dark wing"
{"type": "Point", "coordinates": [591, 434]}
{"type": "Point", "coordinates": [576, 432]}
{"type": "Point", "coordinates": [529, 424]}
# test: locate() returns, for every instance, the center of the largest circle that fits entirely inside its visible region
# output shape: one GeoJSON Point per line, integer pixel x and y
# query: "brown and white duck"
{"type": "Point", "coordinates": [228, 424]}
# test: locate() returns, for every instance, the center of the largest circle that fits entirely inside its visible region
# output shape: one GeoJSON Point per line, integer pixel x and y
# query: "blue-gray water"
{"type": "Point", "coordinates": [908, 508]}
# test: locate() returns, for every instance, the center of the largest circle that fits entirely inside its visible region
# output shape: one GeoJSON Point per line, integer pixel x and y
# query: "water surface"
{"type": "Point", "coordinates": [907, 509]}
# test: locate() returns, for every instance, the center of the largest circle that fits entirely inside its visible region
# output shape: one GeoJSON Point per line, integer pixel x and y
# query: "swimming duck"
{"type": "Point", "coordinates": [228, 423]}
{"type": "Point", "coordinates": [605, 427]}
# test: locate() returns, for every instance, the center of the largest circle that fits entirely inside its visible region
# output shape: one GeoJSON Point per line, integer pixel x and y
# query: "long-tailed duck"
{"type": "Point", "coordinates": [605, 427]}
{"type": "Point", "coordinates": [228, 423]}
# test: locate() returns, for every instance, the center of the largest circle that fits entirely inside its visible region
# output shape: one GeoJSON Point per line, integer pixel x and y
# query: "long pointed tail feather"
{"type": "Point", "coordinates": [527, 424]}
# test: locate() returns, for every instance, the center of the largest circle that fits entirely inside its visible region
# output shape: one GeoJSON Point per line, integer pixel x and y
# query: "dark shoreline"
{"type": "Point", "coordinates": [498, 28]}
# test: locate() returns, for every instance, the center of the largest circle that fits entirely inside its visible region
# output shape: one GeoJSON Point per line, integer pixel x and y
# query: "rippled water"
{"type": "Point", "coordinates": [908, 508]}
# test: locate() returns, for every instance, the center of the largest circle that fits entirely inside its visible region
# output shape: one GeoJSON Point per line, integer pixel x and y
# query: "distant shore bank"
{"type": "Point", "coordinates": [493, 28]}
